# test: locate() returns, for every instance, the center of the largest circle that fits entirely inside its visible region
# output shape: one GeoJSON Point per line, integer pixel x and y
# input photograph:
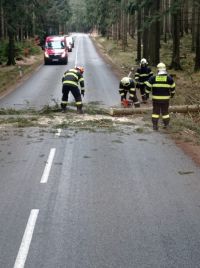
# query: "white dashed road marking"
{"type": "Point", "coordinates": [26, 240]}
{"type": "Point", "coordinates": [47, 169]}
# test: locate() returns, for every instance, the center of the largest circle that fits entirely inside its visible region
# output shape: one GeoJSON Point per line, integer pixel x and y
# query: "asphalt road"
{"type": "Point", "coordinates": [45, 86]}
{"type": "Point", "coordinates": [84, 199]}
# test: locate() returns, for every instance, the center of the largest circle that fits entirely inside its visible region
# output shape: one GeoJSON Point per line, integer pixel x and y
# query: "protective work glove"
{"type": "Point", "coordinates": [82, 92]}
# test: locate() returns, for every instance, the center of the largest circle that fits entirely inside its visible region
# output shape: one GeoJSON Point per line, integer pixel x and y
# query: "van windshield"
{"type": "Point", "coordinates": [55, 44]}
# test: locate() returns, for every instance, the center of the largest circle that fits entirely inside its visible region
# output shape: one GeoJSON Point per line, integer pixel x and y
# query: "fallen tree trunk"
{"type": "Point", "coordinates": [174, 109]}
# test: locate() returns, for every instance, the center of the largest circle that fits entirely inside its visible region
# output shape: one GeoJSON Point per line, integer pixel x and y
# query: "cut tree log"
{"type": "Point", "coordinates": [173, 109]}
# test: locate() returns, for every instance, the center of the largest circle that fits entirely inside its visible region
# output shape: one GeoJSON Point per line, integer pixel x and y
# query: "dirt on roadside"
{"type": "Point", "coordinates": [14, 76]}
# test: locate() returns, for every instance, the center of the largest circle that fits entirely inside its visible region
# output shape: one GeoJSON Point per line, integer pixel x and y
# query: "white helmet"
{"type": "Point", "coordinates": [125, 81]}
{"type": "Point", "coordinates": [143, 61]}
{"type": "Point", "coordinates": [161, 66]}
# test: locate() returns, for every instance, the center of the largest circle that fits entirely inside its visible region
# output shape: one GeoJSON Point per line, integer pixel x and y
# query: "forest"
{"type": "Point", "coordinates": [147, 21]}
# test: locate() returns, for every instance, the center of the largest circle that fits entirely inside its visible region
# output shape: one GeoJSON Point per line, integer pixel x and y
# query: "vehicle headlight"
{"type": "Point", "coordinates": [46, 54]}
{"type": "Point", "coordinates": [63, 54]}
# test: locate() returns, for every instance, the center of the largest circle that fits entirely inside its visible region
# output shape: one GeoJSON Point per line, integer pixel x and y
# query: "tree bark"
{"type": "Point", "coordinates": [146, 35]}
{"type": "Point", "coordinates": [197, 58]}
{"type": "Point", "coordinates": [11, 48]}
{"type": "Point", "coordinates": [139, 43]}
{"type": "Point", "coordinates": [175, 63]}
{"type": "Point", "coordinates": [154, 41]}
{"type": "Point", "coordinates": [124, 25]}
{"type": "Point", "coordinates": [176, 109]}
{"type": "Point", "coordinates": [2, 32]}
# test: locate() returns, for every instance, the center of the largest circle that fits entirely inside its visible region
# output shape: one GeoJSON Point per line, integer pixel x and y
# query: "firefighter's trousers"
{"type": "Point", "coordinates": [160, 107]}
{"type": "Point", "coordinates": [142, 92]}
{"type": "Point", "coordinates": [76, 94]}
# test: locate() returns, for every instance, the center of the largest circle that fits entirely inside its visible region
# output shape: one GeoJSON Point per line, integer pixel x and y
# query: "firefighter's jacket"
{"type": "Point", "coordinates": [73, 77]}
{"type": "Point", "coordinates": [127, 88]}
{"type": "Point", "coordinates": [162, 87]}
{"type": "Point", "coordinates": [142, 75]}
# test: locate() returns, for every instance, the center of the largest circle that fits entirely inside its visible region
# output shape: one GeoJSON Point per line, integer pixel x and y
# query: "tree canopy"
{"type": "Point", "coordinates": [147, 20]}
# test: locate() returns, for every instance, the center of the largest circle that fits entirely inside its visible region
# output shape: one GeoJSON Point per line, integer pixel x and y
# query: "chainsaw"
{"type": "Point", "coordinates": [126, 103]}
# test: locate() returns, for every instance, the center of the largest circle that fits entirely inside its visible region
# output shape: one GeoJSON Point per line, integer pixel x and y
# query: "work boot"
{"type": "Point", "coordinates": [166, 126]}
{"type": "Point", "coordinates": [137, 104]}
{"type": "Point", "coordinates": [63, 108]}
{"type": "Point", "coordinates": [166, 123]}
{"type": "Point", "coordinates": [144, 100]}
{"type": "Point", "coordinates": [79, 109]}
{"type": "Point", "coordinates": [155, 127]}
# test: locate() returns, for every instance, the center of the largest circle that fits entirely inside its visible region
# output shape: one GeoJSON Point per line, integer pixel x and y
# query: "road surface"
{"type": "Point", "coordinates": [93, 199]}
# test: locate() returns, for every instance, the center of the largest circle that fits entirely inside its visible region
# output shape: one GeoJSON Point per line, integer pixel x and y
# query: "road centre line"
{"type": "Point", "coordinates": [26, 240]}
{"type": "Point", "coordinates": [77, 47]}
{"type": "Point", "coordinates": [47, 169]}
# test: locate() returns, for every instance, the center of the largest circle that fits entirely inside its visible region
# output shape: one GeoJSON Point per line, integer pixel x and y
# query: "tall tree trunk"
{"type": "Point", "coordinates": [186, 16]}
{"type": "Point", "coordinates": [2, 31]}
{"type": "Point", "coordinates": [175, 63]}
{"type": "Point", "coordinates": [197, 59]}
{"type": "Point", "coordinates": [154, 41]}
{"type": "Point", "coordinates": [139, 18]}
{"type": "Point", "coordinates": [132, 25]}
{"type": "Point", "coordinates": [11, 48]}
{"type": "Point", "coordinates": [124, 25]}
{"type": "Point", "coordinates": [166, 21]}
{"type": "Point", "coordinates": [193, 22]}
{"type": "Point", "coordinates": [146, 35]}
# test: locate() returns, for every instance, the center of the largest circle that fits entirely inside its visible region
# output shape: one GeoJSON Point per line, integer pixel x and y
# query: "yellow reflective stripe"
{"type": "Point", "coordinates": [136, 74]}
{"type": "Point", "coordinates": [78, 103]}
{"type": "Point", "coordinates": [70, 82]}
{"type": "Point", "coordinates": [64, 102]}
{"type": "Point", "coordinates": [73, 74]}
{"type": "Point", "coordinates": [173, 91]}
{"type": "Point", "coordinates": [122, 94]}
{"type": "Point", "coordinates": [161, 78]}
{"type": "Point", "coordinates": [148, 84]}
{"type": "Point", "coordinates": [162, 85]}
{"type": "Point", "coordinates": [151, 73]}
{"type": "Point", "coordinates": [82, 79]}
{"type": "Point", "coordinates": [173, 85]}
{"type": "Point", "coordinates": [160, 97]}
{"type": "Point", "coordinates": [142, 75]}
{"type": "Point", "coordinates": [165, 116]}
{"type": "Point", "coordinates": [132, 89]}
{"type": "Point", "coordinates": [147, 91]}
{"type": "Point", "coordinates": [155, 115]}
{"type": "Point", "coordinates": [131, 95]}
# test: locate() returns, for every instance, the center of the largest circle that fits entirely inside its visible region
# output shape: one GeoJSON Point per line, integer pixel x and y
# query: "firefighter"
{"type": "Point", "coordinates": [162, 87]}
{"type": "Point", "coordinates": [126, 86]}
{"type": "Point", "coordinates": [71, 80]}
{"type": "Point", "coordinates": [141, 76]}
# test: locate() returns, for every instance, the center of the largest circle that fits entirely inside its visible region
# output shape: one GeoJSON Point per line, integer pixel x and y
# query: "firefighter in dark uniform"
{"type": "Point", "coordinates": [71, 80]}
{"type": "Point", "coordinates": [162, 87]}
{"type": "Point", "coordinates": [141, 76]}
{"type": "Point", "coordinates": [126, 86]}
